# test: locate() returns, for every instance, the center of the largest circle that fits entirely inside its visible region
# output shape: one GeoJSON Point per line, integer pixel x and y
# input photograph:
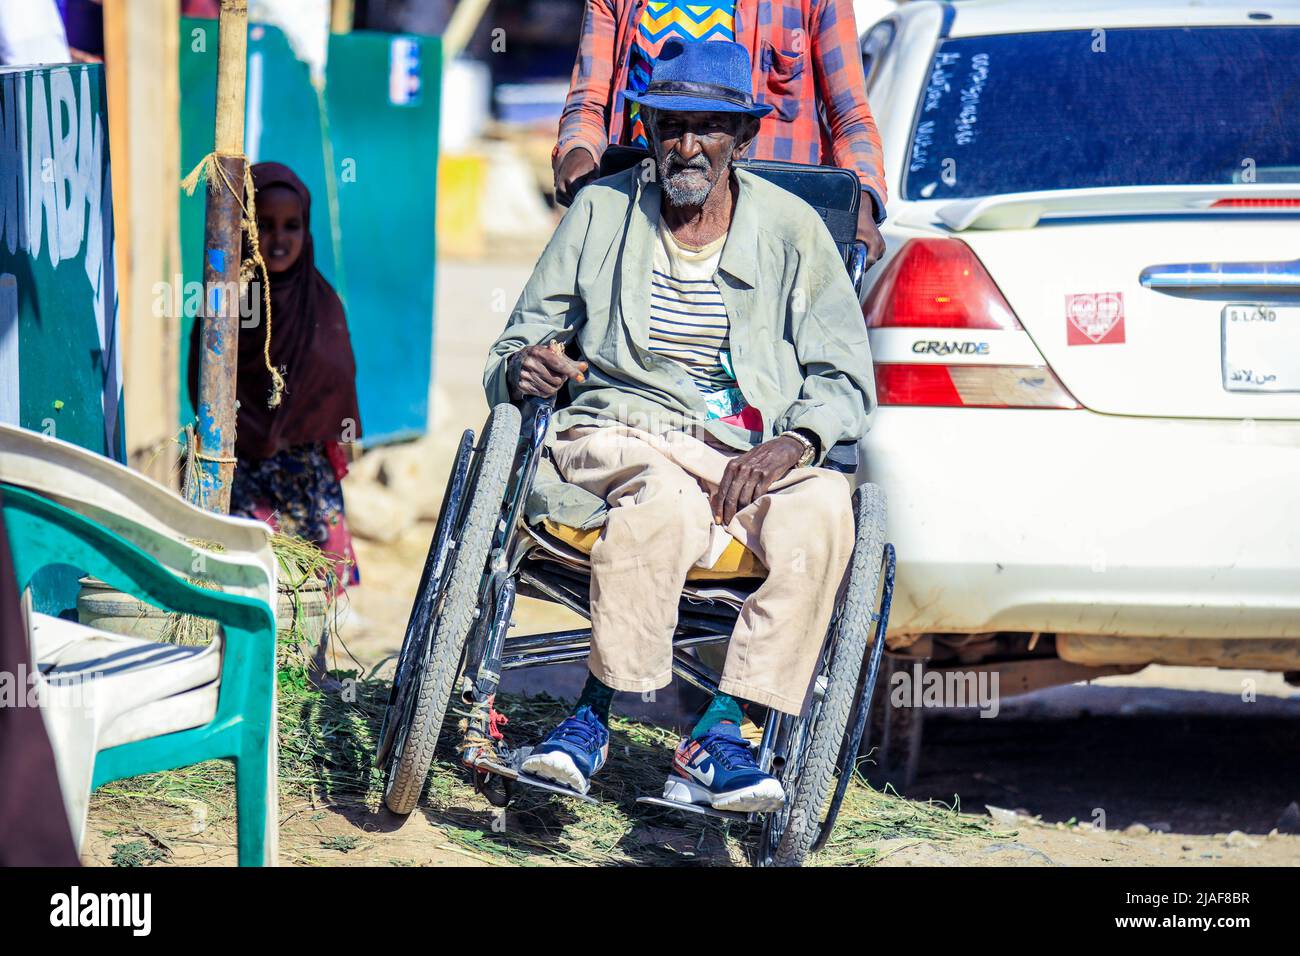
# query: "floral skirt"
{"type": "Point", "coordinates": [298, 491]}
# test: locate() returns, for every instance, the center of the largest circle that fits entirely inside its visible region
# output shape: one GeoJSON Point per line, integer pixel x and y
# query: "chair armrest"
{"type": "Point", "coordinates": [141, 511]}
{"type": "Point", "coordinates": [42, 533]}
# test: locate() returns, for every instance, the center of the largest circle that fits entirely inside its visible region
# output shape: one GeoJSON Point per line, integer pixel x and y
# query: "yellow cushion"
{"type": "Point", "coordinates": [736, 561]}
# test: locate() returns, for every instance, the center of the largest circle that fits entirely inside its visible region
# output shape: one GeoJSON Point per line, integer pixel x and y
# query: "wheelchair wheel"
{"type": "Point", "coordinates": [814, 741]}
{"type": "Point", "coordinates": [451, 613]}
{"type": "Point", "coordinates": [415, 645]}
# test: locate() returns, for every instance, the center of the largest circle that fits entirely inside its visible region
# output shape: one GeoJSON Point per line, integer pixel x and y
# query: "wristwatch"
{"type": "Point", "coordinates": [809, 449]}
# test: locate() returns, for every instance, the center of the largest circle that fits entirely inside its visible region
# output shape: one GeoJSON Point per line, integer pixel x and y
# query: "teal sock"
{"type": "Point", "coordinates": [723, 707]}
{"type": "Point", "coordinates": [597, 696]}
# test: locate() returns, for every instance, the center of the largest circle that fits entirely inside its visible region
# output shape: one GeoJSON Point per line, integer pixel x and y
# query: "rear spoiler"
{"type": "Point", "coordinates": [1024, 210]}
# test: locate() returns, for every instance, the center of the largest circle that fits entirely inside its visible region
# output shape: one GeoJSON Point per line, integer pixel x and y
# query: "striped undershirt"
{"type": "Point", "coordinates": [688, 319]}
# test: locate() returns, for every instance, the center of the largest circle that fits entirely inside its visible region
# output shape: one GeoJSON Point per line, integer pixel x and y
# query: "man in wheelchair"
{"type": "Point", "coordinates": [712, 351]}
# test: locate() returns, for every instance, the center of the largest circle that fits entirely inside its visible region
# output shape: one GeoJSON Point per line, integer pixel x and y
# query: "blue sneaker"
{"type": "Point", "coordinates": [718, 770]}
{"type": "Point", "coordinates": [572, 752]}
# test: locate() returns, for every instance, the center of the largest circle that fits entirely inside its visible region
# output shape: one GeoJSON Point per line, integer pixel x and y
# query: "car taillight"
{"type": "Point", "coordinates": [1262, 202]}
{"type": "Point", "coordinates": [971, 386]}
{"type": "Point", "coordinates": [935, 299]}
{"type": "Point", "coordinates": [937, 284]}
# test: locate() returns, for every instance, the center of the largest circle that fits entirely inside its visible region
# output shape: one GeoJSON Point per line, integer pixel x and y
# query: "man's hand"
{"type": "Point", "coordinates": [576, 169]}
{"type": "Point", "coordinates": [748, 476]}
{"type": "Point", "coordinates": [541, 370]}
{"type": "Point", "coordinates": [868, 232]}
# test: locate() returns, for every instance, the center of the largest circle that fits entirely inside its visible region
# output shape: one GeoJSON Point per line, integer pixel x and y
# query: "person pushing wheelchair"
{"type": "Point", "coordinates": [713, 349]}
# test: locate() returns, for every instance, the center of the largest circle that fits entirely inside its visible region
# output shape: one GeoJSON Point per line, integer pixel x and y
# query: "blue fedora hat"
{"type": "Point", "coordinates": [703, 76]}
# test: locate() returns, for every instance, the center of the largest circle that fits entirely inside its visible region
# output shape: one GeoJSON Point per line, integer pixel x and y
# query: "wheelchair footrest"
{"type": "Point", "coordinates": [697, 808]}
{"type": "Point", "coordinates": [538, 783]}
{"type": "Point", "coordinates": [506, 764]}
{"type": "Point", "coordinates": [485, 764]}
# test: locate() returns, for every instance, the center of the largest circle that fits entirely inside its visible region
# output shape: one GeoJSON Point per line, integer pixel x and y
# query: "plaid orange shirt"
{"type": "Point", "coordinates": [806, 64]}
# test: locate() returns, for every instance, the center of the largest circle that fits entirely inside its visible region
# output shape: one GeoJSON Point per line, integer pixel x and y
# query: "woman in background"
{"type": "Point", "coordinates": [289, 460]}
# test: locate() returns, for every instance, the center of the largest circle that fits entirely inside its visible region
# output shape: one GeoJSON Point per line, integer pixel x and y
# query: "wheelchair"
{"type": "Point", "coordinates": [487, 549]}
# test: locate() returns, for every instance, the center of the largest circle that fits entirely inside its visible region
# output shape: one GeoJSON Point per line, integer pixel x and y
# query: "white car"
{"type": "Point", "coordinates": [1086, 331]}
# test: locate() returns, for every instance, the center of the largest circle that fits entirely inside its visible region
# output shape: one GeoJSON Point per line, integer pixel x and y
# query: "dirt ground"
{"type": "Point", "coordinates": [1167, 766]}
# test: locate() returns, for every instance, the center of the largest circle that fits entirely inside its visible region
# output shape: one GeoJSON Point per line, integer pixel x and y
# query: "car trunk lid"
{"type": "Point", "coordinates": [1158, 315]}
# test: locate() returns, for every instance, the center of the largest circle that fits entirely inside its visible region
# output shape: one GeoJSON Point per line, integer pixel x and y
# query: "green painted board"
{"type": "Point", "coordinates": [60, 367]}
{"type": "Point", "coordinates": [382, 94]}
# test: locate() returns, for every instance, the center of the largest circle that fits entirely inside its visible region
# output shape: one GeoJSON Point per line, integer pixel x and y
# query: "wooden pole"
{"type": "Point", "coordinates": [144, 133]}
{"type": "Point", "coordinates": [219, 358]}
{"type": "Point", "coordinates": [342, 13]}
{"type": "Point", "coordinates": [460, 28]}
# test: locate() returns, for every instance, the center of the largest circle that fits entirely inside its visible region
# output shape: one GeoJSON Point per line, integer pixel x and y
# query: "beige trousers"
{"type": "Point", "coordinates": [659, 526]}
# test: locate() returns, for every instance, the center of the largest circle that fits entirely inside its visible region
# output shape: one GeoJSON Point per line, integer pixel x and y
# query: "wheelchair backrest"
{"type": "Point", "coordinates": [835, 193]}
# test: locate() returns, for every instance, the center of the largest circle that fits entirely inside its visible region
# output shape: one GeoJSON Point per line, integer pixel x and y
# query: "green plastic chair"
{"type": "Point", "coordinates": [145, 554]}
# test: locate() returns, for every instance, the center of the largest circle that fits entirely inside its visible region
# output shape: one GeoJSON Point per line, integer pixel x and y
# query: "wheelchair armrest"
{"type": "Point", "coordinates": [843, 457]}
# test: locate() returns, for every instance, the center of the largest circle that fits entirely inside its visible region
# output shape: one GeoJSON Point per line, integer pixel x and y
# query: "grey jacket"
{"type": "Point", "coordinates": [798, 340]}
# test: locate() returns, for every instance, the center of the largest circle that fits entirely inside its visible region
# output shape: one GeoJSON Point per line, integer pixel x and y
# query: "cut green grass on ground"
{"type": "Point", "coordinates": [327, 742]}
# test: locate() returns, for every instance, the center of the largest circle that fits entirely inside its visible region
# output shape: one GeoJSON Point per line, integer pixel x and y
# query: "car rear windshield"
{"type": "Point", "coordinates": [1087, 108]}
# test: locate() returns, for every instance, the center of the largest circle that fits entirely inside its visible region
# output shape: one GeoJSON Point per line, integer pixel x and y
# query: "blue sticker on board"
{"type": "Point", "coordinates": [404, 86]}
{"type": "Point", "coordinates": [217, 259]}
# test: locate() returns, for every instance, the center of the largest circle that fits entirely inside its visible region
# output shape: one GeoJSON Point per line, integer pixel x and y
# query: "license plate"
{"type": "Point", "coordinates": [1261, 348]}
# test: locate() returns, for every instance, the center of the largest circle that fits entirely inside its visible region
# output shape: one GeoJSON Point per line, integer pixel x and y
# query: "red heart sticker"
{"type": "Point", "coordinates": [1094, 318]}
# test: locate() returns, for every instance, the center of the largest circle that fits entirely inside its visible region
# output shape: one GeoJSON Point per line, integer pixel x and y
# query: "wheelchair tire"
{"type": "Point", "coordinates": [415, 643]}
{"type": "Point", "coordinates": [791, 832]}
{"type": "Point", "coordinates": [407, 773]}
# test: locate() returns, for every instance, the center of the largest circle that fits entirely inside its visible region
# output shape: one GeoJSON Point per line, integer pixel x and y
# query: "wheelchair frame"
{"type": "Point", "coordinates": [487, 651]}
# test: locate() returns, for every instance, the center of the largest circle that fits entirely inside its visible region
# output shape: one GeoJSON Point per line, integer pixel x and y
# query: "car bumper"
{"type": "Point", "coordinates": [1075, 522]}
